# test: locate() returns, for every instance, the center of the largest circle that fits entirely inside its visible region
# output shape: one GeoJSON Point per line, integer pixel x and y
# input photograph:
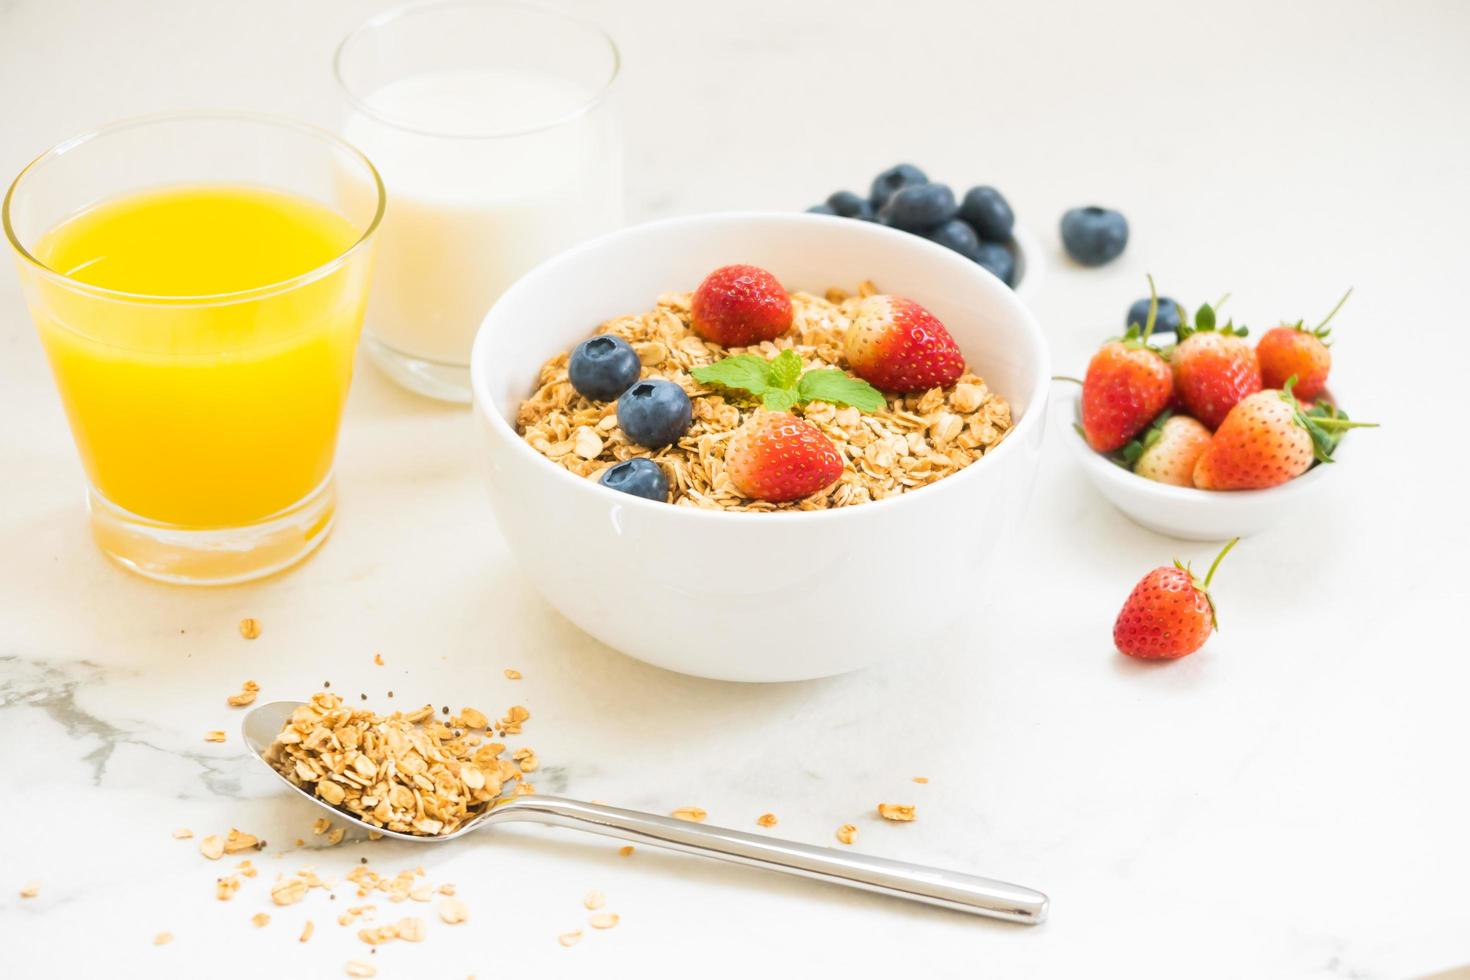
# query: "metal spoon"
{"type": "Point", "coordinates": [931, 886]}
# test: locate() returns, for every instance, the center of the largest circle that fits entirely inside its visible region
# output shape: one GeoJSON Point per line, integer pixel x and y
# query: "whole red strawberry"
{"type": "Point", "coordinates": [778, 457]}
{"type": "Point", "coordinates": [740, 305]}
{"type": "Point", "coordinates": [1295, 350]}
{"type": "Point", "coordinates": [1266, 440]}
{"type": "Point", "coordinates": [1169, 614]}
{"type": "Point", "coordinates": [896, 345]}
{"type": "Point", "coordinates": [1213, 368]}
{"type": "Point", "coordinates": [1126, 386]}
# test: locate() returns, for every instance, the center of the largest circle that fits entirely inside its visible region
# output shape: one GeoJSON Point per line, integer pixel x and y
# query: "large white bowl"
{"type": "Point", "coordinates": [1184, 512]}
{"type": "Point", "coordinates": [756, 597]}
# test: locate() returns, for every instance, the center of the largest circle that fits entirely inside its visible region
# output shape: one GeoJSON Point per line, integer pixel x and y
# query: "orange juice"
{"type": "Point", "coordinates": [206, 390]}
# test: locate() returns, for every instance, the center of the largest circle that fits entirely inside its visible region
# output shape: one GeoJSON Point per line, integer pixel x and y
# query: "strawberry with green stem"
{"type": "Point", "coordinates": [1268, 439]}
{"type": "Point", "coordinates": [1169, 614]}
{"type": "Point", "coordinates": [1293, 349]}
{"type": "Point", "coordinates": [1214, 368]}
{"type": "Point", "coordinates": [1128, 383]}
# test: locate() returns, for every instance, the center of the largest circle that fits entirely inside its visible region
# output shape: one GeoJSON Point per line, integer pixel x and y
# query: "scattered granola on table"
{"type": "Point", "coordinates": [250, 627]}
{"type": "Point", "coordinates": [847, 833]}
{"type": "Point", "coordinates": [693, 814]}
{"type": "Point", "coordinates": [899, 812]}
{"type": "Point", "coordinates": [247, 694]}
{"type": "Point", "coordinates": [911, 441]}
{"type": "Point", "coordinates": [413, 772]}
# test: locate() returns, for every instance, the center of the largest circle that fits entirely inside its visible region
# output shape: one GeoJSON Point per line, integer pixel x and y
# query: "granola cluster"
{"type": "Point", "coordinates": [411, 773]}
{"type": "Point", "coordinates": [913, 441]}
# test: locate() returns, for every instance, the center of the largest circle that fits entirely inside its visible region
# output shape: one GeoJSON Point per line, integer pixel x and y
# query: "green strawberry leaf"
{"type": "Point", "coordinates": [839, 388]}
{"type": "Point", "coordinates": [778, 399]}
{"type": "Point", "coordinates": [1205, 318]}
{"type": "Point", "coordinates": [785, 368]}
{"type": "Point", "coordinates": [747, 372]}
{"type": "Point", "coordinates": [1324, 422]}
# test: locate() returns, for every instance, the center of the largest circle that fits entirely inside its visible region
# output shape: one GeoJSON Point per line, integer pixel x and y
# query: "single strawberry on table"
{"type": "Point", "coordinates": [1171, 449]}
{"type": "Point", "coordinates": [740, 305]}
{"type": "Point", "coordinates": [1290, 350]}
{"type": "Point", "coordinates": [1128, 383]}
{"type": "Point", "coordinates": [896, 345]}
{"type": "Point", "coordinates": [1214, 368]}
{"type": "Point", "coordinates": [776, 456]}
{"type": "Point", "coordinates": [1268, 439]}
{"type": "Point", "coordinates": [1169, 614]}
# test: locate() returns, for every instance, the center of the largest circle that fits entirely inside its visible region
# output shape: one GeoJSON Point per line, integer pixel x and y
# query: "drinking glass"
{"type": "Point", "coordinates": [204, 403]}
{"type": "Point", "coordinates": [491, 124]}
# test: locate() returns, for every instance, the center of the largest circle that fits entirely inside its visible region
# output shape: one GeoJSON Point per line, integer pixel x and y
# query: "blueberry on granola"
{"type": "Point", "coordinates": [601, 368]}
{"type": "Point", "coordinates": [639, 477]}
{"type": "Point", "coordinates": [654, 413]}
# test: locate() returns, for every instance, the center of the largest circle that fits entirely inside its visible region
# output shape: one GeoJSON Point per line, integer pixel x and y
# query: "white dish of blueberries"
{"type": "Point", "coordinates": [980, 225]}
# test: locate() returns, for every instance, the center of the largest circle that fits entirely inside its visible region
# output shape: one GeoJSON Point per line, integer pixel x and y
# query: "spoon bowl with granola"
{"type": "Point", "coordinates": [416, 777]}
{"type": "Point", "coordinates": [832, 429]}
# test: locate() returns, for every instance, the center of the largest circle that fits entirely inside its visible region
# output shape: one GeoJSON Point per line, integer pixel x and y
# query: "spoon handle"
{"type": "Point", "coordinates": [932, 886]}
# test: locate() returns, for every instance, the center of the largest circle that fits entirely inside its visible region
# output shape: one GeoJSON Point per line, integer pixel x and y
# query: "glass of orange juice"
{"type": "Point", "coordinates": [199, 281]}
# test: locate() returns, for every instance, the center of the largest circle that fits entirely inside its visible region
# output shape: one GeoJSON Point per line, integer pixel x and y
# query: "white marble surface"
{"type": "Point", "coordinates": [1290, 802]}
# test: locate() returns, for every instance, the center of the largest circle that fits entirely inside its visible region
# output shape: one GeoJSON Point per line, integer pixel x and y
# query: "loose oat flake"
{"type": "Point", "coordinates": [594, 900]}
{"type": "Point", "coordinates": [603, 920]}
{"type": "Point", "coordinates": [214, 736]}
{"type": "Point", "coordinates": [212, 846]}
{"type": "Point", "coordinates": [30, 889]}
{"type": "Point", "coordinates": [693, 814]}
{"type": "Point", "coordinates": [247, 694]}
{"type": "Point", "coordinates": [183, 833]}
{"type": "Point", "coordinates": [512, 675]}
{"type": "Point", "coordinates": [249, 628]}
{"type": "Point", "coordinates": [913, 441]}
{"type": "Point", "coordinates": [356, 968]}
{"type": "Point", "coordinates": [405, 772]}
{"type": "Point", "coordinates": [847, 833]}
{"type": "Point", "coordinates": [626, 850]}
{"type": "Point", "coordinates": [163, 939]}
{"type": "Point", "coordinates": [899, 812]}
{"type": "Point", "coordinates": [570, 938]}
{"type": "Point", "coordinates": [306, 931]}
{"type": "Point", "coordinates": [260, 919]}
{"type": "Point", "coordinates": [766, 820]}
{"type": "Point", "coordinates": [921, 779]}
{"type": "Point", "coordinates": [237, 841]}
{"type": "Point", "coordinates": [453, 911]}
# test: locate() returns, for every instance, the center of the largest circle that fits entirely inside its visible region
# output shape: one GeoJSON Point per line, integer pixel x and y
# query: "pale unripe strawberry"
{"type": "Point", "coordinates": [1170, 457]}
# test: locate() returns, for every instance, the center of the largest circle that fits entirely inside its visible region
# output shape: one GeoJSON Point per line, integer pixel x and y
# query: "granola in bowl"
{"type": "Point", "coordinates": [895, 443]}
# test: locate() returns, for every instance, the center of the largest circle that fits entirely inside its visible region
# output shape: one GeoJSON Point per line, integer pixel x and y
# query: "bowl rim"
{"type": "Point", "coordinates": [1070, 412]}
{"type": "Point", "coordinates": [1034, 417]}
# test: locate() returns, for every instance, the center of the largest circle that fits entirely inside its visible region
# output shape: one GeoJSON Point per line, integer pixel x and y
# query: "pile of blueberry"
{"type": "Point", "coordinates": [979, 226]}
{"type": "Point", "coordinates": [652, 413]}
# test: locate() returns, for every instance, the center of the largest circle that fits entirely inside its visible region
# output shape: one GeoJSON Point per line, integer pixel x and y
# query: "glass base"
{"type": "Point", "coordinates": [435, 379]}
{"type": "Point", "coordinates": [189, 556]}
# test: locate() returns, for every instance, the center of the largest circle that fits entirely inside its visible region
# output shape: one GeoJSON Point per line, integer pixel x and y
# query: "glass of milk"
{"type": "Point", "coordinates": [491, 126]}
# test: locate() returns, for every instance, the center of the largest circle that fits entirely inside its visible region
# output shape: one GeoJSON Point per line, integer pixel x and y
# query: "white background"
{"type": "Point", "coordinates": [1292, 801]}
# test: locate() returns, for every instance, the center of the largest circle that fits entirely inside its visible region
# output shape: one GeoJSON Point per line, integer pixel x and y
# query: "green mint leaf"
{"type": "Point", "coordinates": [838, 388]}
{"type": "Point", "coordinates": [785, 368]}
{"type": "Point", "coordinates": [746, 372]}
{"type": "Point", "coordinates": [779, 399]}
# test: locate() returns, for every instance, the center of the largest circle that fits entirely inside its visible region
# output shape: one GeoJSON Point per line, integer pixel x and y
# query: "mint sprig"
{"type": "Point", "coordinates": [780, 383]}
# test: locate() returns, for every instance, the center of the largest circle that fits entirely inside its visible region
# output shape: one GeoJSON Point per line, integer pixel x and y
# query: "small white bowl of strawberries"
{"type": "Point", "coordinates": [1209, 437]}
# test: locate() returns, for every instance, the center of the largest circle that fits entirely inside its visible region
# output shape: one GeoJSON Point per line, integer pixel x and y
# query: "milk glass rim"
{"type": "Point", "coordinates": [393, 14]}
{"type": "Point", "coordinates": [203, 299]}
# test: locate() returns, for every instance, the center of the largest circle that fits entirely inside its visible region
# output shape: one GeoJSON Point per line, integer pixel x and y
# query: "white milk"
{"type": "Point", "coordinates": [467, 216]}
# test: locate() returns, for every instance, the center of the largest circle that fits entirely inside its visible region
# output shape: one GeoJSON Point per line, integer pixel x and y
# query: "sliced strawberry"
{"type": "Point", "coordinates": [896, 345]}
{"type": "Point", "coordinates": [740, 305]}
{"type": "Point", "coordinates": [778, 457]}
